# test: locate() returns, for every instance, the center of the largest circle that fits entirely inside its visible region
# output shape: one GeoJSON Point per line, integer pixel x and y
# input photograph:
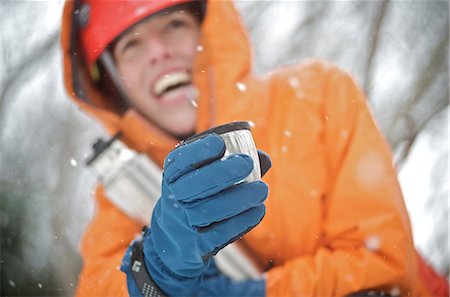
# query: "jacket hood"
{"type": "Point", "coordinates": [221, 70]}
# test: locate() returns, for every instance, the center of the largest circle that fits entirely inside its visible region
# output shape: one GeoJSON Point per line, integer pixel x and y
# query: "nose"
{"type": "Point", "coordinates": [158, 49]}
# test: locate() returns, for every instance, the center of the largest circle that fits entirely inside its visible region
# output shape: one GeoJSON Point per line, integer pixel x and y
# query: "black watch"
{"type": "Point", "coordinates": [141, 276]}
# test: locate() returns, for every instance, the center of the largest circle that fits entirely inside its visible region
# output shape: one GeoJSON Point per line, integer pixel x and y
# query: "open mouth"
{"type": "Point", "coordinates": [170, 82]}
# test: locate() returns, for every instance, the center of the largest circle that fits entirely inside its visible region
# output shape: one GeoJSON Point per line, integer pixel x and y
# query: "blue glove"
{"type": "Point", "coordinates": [215, 284]}
{"type": "Point", "coordinates": [212, 283]}
{"type": "Point", "coordinates": [201, 210]}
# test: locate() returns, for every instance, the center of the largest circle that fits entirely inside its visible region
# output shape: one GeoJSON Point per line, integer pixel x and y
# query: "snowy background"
{"type": "Point", "coordinates": [397, 51]}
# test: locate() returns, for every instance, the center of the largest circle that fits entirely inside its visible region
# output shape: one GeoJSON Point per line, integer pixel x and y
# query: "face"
{"type": "Point", "coordinates": [155, 59]}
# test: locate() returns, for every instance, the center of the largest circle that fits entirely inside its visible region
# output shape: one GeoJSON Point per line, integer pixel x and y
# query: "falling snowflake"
{"type": "Point", "coordinates": [395, 291]}
{"type": "Point", "coordinates": [370, 170]}
{"type": "Point", "coordinates": [200, 48]}
{"type": "Point", "coordinates": [293, 82]}
{"type": "Point", "coordinates": [344, 133]}
{"type": "Point", "coordinates": [372, 243]}
{"type": "Point", "coordinates": [349, 278]}
{"type": "Point", "coordinates": [299, 94]}
{"type": "Point", "coordinates": [251, 123]}
{"type": "Point", "coordinates": [284, 149]}
{"type": "Point", "coordinates": [287, 133]}
{"type": "Point", "coordinates": [193, 103]}
{"type": "Point", "coordinates": [241, 87]}
{"type": "Point", "coordinates": [39, 285]}
{"type": "Point", "coordinates": [73, 162]}
{"type": "Point", "coordinates": [140, 10]}
{"type": "Point", "coordinates": [314, 193]}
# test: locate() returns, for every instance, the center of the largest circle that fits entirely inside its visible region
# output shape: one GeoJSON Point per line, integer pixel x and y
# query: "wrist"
{"type": "Point", "coordinates": [139, 281]}
{"type": "Point", "coordinates": [171, 283]}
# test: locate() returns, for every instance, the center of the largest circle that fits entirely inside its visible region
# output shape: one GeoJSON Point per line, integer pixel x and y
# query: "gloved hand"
{"type": "Point", "coordinates": [212, 283]}
{"type": "Point", "coordinates": [200, 211]}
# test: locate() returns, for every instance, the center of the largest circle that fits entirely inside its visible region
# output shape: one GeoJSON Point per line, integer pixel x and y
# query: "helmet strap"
{"type": "Point", "coordinates": [108, 63]}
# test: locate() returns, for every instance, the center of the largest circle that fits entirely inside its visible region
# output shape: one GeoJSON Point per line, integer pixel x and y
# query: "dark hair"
{"type": "Point", "coordinates": [109, 89]}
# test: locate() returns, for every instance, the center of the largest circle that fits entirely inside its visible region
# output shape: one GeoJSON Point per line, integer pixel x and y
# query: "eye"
{"type": "Point", "coordinates": [176, 23]}
{"type": "Point", "coordinates": [130, 43]}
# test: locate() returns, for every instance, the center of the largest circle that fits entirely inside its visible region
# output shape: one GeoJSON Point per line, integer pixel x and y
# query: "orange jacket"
{"type": "Point", "coordinates": [336, 222]}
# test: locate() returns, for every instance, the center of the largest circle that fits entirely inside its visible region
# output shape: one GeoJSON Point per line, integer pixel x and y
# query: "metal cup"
{"type": "Point", "coordinates": [238, 139]}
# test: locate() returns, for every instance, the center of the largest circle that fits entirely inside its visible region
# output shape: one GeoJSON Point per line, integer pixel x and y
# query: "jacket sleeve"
{"type": "Point", "coordinates": [366, 236]}
{"type": "Point", "coordinates": [102, 249]}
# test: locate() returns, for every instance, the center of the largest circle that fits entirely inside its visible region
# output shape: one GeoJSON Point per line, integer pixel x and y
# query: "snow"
{"type": "Point", "coordinates": [140, 10]}
{"type": "Point", "coordinates": [73, 162]}
{"type": "Point", "coordinates": [395, 291]}
{"type": "Point", "coordinates": [241, 87]}
{"type": "Point", "coordinates": [314, 193]}
{"type": "Point", "coordinates": [293, 82]}
{"type": "Point", "coordinates": [372, 243]}
{"type": "Point", "coordinates": [344, 133]}
{"type": "Point", "coordinates": [193, 103]}
{"type": "Point", "coordinates": [370, 170]}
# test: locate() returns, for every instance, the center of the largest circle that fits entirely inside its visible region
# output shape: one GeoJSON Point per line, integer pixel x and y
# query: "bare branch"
{"type": "Point", "coordinates": [373, 46]}
{"type": "Point", "coordinates": [35, 57]}
{"type": "Point", "coordinates": [424, 83]}
{"type": "Point", "coordinates": [414, 134]}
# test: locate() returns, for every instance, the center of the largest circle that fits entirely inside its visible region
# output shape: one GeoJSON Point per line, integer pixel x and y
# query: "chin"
{"type": "Point", "coordinates": [185, 135]}
{"type": "Point", "coordinates": [183, 130]}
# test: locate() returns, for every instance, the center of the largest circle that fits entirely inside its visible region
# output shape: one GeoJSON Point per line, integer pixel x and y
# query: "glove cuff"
{"type": "Point", "coordinates": [171, 283]}
{"type": "Point", "coordinates": [144, 282]}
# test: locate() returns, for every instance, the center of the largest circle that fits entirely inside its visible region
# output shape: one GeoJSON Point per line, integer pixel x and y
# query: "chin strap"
{"type": "Point", "coordinates": [108, 62]}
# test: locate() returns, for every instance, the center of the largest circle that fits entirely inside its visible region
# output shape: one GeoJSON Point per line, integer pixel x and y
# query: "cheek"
{"type": "Point", "coordinates": [190, 47]}
{"type": "Point", "coordinates": [130, 76]}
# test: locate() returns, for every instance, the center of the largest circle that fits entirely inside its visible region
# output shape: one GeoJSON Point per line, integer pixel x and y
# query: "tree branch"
{"type": "Point", "coordinates": [34, 58]}
{"type": "Point", "coordinates": [424, 83]}
{"type": "Point", "coordinates": [373, 46]}
{"type": "Point", "coordinates": [415, 133]}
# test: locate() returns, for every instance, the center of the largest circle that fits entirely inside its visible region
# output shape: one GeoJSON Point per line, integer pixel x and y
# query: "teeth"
{"type": "Point", "coordinates": [169, 80]}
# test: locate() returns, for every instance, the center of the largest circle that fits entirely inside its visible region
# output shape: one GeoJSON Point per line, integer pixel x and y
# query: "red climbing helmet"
{"type": "Point", "coordinates": [101, 21]}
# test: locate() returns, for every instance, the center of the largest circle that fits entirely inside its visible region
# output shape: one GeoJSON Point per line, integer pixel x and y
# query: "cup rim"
{"type": "Point", "coordinates": [222, 129]}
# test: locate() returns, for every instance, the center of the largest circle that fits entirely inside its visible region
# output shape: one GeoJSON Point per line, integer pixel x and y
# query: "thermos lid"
{"type": "Point", "coordinates": [222, 129]}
